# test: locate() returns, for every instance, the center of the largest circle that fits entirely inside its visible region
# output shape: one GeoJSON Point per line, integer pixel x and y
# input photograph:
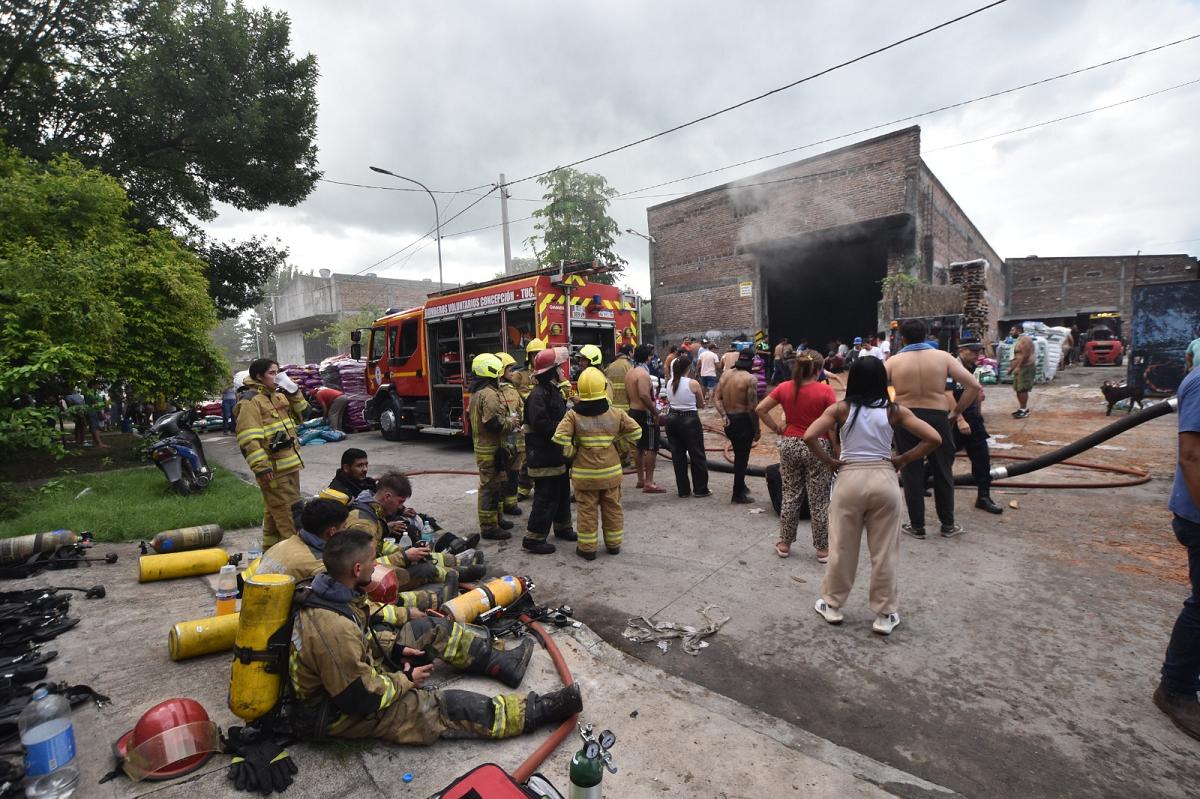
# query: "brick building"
{"type": "Point", "coordinates": [1068, 290]}
{"type": "Point", "coordinates": [802, 250]}
{"type": "Point", "coordinates": [311, 302]}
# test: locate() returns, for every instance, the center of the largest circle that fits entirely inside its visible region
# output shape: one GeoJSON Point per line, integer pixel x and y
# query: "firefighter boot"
{"type": "Point", "coordinates": [455, 545]}
{"type": "Point", "coordinates": [471, 573]}
{"type": "Point", "coordinates": [552, 708]}
{"type": "Point", "coordinates": [506, 665]}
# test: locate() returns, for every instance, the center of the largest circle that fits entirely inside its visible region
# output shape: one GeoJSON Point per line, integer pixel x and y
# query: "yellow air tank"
{"type": "Point", "coordinates": [497, 592]}
{"type": "Point", "coordinates": [266, 603]}
{"type": "Point", "coordinates": [190, 639]}
{"type": "Point", "coordinates": [188, 538]}
{"type": "Point", "coordinates": [181, 564]}
{"type": "Point", "coordinates": [24, 546]}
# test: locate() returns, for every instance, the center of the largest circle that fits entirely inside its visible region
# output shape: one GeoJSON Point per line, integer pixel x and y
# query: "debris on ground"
{"type": "Point", "coordinates": [641, 629]}
{"type": "Point", "coordinates": [1012, 503]}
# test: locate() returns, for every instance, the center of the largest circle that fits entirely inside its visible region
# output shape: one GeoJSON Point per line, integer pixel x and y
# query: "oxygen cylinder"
{"type": "Point", "coordinates": [181, 564]}
{"type": "Point", "coordinates": [585, 775]}
{"type": "Point", "coordinates": [497, 592]}
{"type": "Point", "coordinates": [266, 603]}
{"type": "Point", "coordinates": [187, 538]}
{"type": "Point", "coordinates": [190, 639]}
{"type": "Point", "coordinates": [25, 546]}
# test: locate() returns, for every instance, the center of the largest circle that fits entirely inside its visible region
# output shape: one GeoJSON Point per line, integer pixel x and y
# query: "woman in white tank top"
{"type": "Point", "coordinates": [866, 493]}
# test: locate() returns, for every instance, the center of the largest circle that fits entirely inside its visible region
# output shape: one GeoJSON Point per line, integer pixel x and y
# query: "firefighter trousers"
{"type": "Point", "coordinates": [591, 507]}
{"type": "Point", "coordinates": [421, 716]}
{"type": "Point", "coordinates": [491, 487]}
{"type": "Point", "coordinates": [278, 497]}
{"type": "Point", "coordinates": [452, 643]}
{"type": "Point", "coordinates": [551, 506]}
{"type": "Point", "coordinates": [524, 481]}
{"type": "Point", "coordinates": [512, 483]}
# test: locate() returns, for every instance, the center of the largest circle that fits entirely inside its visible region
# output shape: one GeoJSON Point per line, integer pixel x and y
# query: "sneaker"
{"type": "Point", "coordinates": [828, 612]}
{"type": "Point", "coordinates": [885, 623]}
{"type": "Point", "coordinates": [1182, 709]}
{"type": "Point", "coordinates": [915, 532]}
{"type": "Point", "coordinates": [1020, 413]}
{"type": "Point", "coordinates": [952, 530]}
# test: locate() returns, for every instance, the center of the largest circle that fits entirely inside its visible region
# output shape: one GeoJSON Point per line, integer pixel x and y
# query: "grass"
{"type": "Point", "coordinates": [131, 504]}
{"type": "Point", "coordinates": [124, 451]}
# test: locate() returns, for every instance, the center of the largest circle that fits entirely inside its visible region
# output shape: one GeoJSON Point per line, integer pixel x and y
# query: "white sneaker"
{"type": "Point", "coordinates": [828, 612]}
{"type": "Point", "coordinates": [885, 623]}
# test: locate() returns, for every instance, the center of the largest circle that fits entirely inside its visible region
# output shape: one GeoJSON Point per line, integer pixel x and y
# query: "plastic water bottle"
{"type": "Point", "coordinates": [256, 550]}
{"type": "Point", "coordinates": [49, 740]}
{"type": "Point", "coordinates": [227, 590]}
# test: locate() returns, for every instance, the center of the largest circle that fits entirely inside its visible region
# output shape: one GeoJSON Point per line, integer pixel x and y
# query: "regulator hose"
{"type": "Point", "coordinates": [1071, 450]}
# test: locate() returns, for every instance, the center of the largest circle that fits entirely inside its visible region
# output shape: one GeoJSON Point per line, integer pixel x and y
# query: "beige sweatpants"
{"type": "Point", "coordinates": [864, 495]}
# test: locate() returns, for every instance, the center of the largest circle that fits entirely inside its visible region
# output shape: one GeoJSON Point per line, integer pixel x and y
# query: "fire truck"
{"type": "Point", "coordinates": [418, 369]}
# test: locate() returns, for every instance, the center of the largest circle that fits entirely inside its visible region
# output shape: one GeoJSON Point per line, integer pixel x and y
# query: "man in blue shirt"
{"type": "Point", "coordinates": [1176, 695]}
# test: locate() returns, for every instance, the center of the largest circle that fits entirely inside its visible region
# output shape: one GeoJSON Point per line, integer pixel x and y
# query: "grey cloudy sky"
{"type": "Point", "coordinates": [454, 93]}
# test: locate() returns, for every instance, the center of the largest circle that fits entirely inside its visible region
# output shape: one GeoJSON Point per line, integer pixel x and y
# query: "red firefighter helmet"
{"type": "Point", "coordinates": [385, 585]}
{"type": "Point", "coordinates": [544, 361]}
{"type": "Point", "coordinates": [171, 739]}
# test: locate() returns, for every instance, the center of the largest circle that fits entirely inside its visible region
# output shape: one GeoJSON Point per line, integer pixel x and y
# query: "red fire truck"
{"type": "Point", "coordinates": [419, 360]}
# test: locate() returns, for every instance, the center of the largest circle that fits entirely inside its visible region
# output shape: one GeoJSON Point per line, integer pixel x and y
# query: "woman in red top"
{"type": "Point", "coordinates": [803, 400]}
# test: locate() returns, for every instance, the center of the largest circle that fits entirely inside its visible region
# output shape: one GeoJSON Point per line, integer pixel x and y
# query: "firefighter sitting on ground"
{"type": "Point", "coordinates": [515, 440]}
{"type": "Point", "coordinates": [267, 411]}
{"type": "Point", "coordinates": [335, 663]}
{"type": "Point", "coordinates": [462, 646]}
{"type": "Point", "coordinates": [594, 434]}
{"type": "Point", "coordinates": [491, 424]}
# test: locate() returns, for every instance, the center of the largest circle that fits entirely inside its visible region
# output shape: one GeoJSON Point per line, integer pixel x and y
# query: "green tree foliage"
{"type": "Point", "coordinates": [337, 334]}
{"type": "Point", "coordinates": [84, 294]}
{"type": "Point", "coordinates": [574, 225]}
{"type": "Point", "coordinates": [238, 271]}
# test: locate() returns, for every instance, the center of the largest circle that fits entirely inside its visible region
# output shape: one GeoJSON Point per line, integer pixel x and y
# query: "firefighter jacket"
{"type": "Point", "coordinates": [332, 655]}
{"type": "Point", "coordinates": [544, 409]}
{"type": "Point", "coordinates": [514, 403]}
{"type": "Point", "coordinates": [596, 444]}
{"type": "Point", "coordinates": [298, 556]}
{"type": "Point", "coordinates": [489, 418]}
{"type": "Point", "coordinates": [266, 416]}
{"type": "Point", "coordinates": [368, 516]}
{"type": "Point", "coordinates": [615, 373]}
{"type": "Point", "coordinates": [523, 380]}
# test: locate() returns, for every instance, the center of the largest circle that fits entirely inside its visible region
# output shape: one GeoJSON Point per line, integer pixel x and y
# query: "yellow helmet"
{"type": "Point", "coordinates": [335, 495]}
{"type": "Point", "coordinates": [486, 365]}
{"type": "Point", "coordinates": [535, 345]}
{"type": "Point", "coordinates": [592, 353]}
{"type": "Point", "coordinates": [592, 385]}
{"type": "Point", "coordinates": [506, 360]}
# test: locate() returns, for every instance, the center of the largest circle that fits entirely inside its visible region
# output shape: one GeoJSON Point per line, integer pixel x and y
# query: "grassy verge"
{"type": "Point", "coordinates": [131, 504]}
{"type": "Point", "coordinates": [123, 451]}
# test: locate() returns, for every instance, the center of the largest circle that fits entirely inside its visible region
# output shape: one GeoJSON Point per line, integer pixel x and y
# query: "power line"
{"type": "Point", "coordinates": [416, 241]}
{"type": "Point", "coordinates": [766, 94]}
{"type": "Point", "coordinates": [401, 188]}
{"type": "Point", "coordinates": [1064, 118]}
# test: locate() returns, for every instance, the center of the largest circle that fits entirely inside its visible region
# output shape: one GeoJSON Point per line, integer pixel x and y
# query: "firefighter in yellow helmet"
{"type": "Point", "coordinates": [491, 424]}
{"type": "Point", "coordinates": [515, 441]}
{"type": "Point", "coordinates": [594, 434]}
{"type": "Point", "coordinates": [267, 412]}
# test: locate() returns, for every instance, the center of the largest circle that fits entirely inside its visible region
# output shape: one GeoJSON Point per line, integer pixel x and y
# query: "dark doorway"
{"type": "Point", "coordinates": [824, 292]}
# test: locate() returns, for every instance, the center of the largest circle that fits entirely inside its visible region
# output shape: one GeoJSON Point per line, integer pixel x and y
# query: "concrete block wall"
{"type": "Point", "coordinates": [1059, 287]}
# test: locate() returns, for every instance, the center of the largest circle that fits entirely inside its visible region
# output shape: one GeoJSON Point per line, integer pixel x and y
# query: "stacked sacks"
{"type": "Point", "coordinates": [307, 376]}
{"type": "Point", "coordinates": [353, 378]}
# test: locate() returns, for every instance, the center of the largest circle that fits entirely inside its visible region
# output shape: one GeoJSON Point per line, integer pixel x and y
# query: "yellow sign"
{"type": "Point", "coordinates": [746, 288]}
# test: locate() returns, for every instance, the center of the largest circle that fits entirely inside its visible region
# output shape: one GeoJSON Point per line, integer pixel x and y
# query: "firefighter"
{"type": "Point", "coordinates": [515, 440]}
{"type": "Point", "coordinates": [615, 373]}
{"type": "Point", "coordinates": [490, 425]}
{"type": "Point", "coordinates": [524, 385]}
{"type": "Point", "coordinates": [338, 675]}
{"type": "Point", "coordinates": [544, 409]}
{"type": "Point", "coordinates": [595, 434]}
{"type": "Point", "coordinates": [266, 414]}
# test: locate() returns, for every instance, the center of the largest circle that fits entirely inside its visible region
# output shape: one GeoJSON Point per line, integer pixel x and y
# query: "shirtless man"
{"type": "Point", "coordinates": [1023, 369]}
{"type": "Point", "coordinates": [640, 393]}
{"type": "Point", "coordinates": [736, 398]}
{"type": "Point", "coordinates": [919, 372]}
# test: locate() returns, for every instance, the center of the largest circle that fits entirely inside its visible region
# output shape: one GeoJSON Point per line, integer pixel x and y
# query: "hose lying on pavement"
{"type": "Point", "coordinates": [526, 769]}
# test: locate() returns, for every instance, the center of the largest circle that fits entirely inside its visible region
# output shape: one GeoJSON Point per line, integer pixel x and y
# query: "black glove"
{"type": "Point", "coordinates": [261, 764]}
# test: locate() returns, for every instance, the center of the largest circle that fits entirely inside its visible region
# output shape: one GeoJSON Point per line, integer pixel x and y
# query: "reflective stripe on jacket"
{"type": "Point", "coordinates": [261, 414]}
{"type": "Point", "coordinates": [596, 442]}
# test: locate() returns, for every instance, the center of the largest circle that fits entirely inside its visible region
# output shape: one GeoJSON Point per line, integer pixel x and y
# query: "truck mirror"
{"type": "Point", "coordinates": [356, 351]}
{"type": "Point", "coordinates": [356, 336]}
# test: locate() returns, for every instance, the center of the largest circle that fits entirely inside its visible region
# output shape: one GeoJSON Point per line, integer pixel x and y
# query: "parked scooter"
{"type": "Point", "coordinates": [179, 453]}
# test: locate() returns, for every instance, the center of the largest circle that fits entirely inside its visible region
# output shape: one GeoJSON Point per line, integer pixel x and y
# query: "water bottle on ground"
{"type": "Point", "coordinates": [49, 740]}
{"type": "Point", "coordinates": [255, 552]}
{"type": "Point", "coordinates": [227, 590]}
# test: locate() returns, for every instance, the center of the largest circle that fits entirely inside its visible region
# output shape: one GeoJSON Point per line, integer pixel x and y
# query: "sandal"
{"type": "Point", "coordinates": [653, 489]}
{"type": "Point", "coordinates": [782, 549]}
{"type": "Point", "coordinates": [822, 558]}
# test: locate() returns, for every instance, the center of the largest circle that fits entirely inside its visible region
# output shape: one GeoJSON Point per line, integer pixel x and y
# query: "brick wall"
{"type": "Point", "coordinates": [1044, 288]}
{"type": "Point", "coordinates": [357, 292]}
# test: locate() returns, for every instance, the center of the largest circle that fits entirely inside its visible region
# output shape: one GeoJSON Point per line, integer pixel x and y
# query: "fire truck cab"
{"type": "Point", "coordinates": [418, 369]}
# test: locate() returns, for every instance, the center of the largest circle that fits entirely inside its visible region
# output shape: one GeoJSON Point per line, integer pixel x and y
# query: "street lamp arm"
{"type": "Point", "coordinates": [437, 216]}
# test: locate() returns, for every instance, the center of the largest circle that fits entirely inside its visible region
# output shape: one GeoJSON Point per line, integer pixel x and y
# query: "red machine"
{"type": "Point", "coordinates": [419, 360]}
{"type": "Point", "coordinates": [1103, 348]}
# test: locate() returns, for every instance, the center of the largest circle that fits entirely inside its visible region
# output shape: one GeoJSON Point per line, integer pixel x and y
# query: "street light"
{"type": "Point", "coordinates": [437, 217]}
{"type": "Point", "coordinates": [640, 235]}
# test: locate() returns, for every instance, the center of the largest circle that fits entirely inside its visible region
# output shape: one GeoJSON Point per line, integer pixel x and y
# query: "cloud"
{"type": "Point", "coordinates": [452, 94]}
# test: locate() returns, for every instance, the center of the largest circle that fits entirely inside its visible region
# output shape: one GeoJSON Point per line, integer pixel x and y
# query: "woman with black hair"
{"type": "Point", "coordinates": [865, 492]}
{"type": "Point", "coordinates": [685, 435]}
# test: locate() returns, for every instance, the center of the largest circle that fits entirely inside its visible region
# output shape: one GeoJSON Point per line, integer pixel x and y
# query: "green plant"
{"type": "Point", "coordinates": [574, 225]}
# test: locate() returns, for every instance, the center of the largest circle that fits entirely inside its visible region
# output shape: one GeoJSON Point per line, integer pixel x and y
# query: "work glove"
{"type": "Point", "coordinates": [260, 764]}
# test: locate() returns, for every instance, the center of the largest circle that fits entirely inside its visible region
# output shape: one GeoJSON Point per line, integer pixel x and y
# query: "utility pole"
{"type": "Point", "coordinates": [504, 225]}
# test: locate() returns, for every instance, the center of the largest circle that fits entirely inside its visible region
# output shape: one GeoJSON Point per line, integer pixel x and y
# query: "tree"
{"type": "Point", "coordinates": [84, 294]}
{"type": "Point", "coordinates": [238, 271]}
{"type": "Point", "coordinates": [574, 225]}
{"type": "Point", "coordinates": [337, 334]}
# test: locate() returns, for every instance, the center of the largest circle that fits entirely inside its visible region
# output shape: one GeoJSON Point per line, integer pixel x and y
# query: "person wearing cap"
{"type": "Point", "coordinates": [970, 434]}
{"type": "Point", "coordinates": [515, 441]}
{"type": "Point", "coordinates": [736, 398]}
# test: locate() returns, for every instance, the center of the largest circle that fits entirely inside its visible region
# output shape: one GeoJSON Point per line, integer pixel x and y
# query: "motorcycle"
{"type": "Point", "coordinates": [179, 453]}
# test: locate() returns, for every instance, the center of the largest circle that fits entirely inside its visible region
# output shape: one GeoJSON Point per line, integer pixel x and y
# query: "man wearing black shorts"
{"type": "Point", "coordinates": [639, 389]}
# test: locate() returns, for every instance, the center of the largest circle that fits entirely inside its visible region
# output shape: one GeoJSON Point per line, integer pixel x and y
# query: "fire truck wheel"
{"type": "Point", "coordinates": [389, 421]}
